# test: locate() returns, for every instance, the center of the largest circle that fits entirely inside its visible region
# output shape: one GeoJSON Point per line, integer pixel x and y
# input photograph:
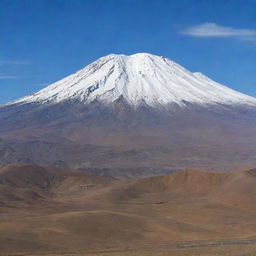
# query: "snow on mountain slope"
{"type": "Point", "coordinates": [139, 78]}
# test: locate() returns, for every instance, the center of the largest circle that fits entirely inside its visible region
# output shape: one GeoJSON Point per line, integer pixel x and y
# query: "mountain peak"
{"type": "Point", "coordinates": [138, 78]}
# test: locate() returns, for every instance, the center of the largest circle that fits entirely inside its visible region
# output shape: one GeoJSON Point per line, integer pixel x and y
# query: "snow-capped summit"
{"type": "Point", "coordinates": [138, 78]}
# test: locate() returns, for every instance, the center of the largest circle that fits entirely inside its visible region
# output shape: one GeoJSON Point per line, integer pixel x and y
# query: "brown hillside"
{"type": "Point", "coordinates": [55, 210]}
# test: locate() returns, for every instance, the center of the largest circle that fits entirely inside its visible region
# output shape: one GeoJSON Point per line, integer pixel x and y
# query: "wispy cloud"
{"type": "Point", "coordinates": [13, 62]}
{"type": "Point", "coordinates": [8, 77]}
{"type": "Point", "coordinates": [9, 69]}
{"type": "Point", "coordinates": [214, 30]}
{"type": "Point", "coordinates": [43, 84]}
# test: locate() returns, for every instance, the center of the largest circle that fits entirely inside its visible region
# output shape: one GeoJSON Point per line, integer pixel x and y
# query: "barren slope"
{"type": "Point", "coordinates": [77, 212]}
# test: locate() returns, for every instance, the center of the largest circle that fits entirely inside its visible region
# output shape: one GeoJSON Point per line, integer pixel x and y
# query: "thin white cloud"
{"type": "Point", "coordinates": [214, 30]}
{"type": "Point", "coordinates": [43, 84]}
{"type": "Point", "coordinates": [13, 62]}
{"type": "Point", "coordinates": [8, 77]}
{"type": "Point", "coordinates": [9, 64]}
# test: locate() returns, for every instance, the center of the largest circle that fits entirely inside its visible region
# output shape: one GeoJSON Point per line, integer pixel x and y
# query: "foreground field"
{"type": "Point", "coordinates": [52, 211]}
{"type": "Point", "coordinates": [166, 250]}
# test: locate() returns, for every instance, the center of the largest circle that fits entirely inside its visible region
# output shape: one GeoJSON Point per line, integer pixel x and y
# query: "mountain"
{"type": "Point", "coordinates": [131, 116]}
{"type": "Point", "coordinates": [140, 79]}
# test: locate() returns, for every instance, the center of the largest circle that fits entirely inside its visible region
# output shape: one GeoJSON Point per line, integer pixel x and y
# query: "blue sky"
{"type": "Point", "coordinates": [42, 41]}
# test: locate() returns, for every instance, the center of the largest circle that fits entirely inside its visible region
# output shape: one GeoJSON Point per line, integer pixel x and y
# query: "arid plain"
{"type": "Point", "coordinates": [54, 211]}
